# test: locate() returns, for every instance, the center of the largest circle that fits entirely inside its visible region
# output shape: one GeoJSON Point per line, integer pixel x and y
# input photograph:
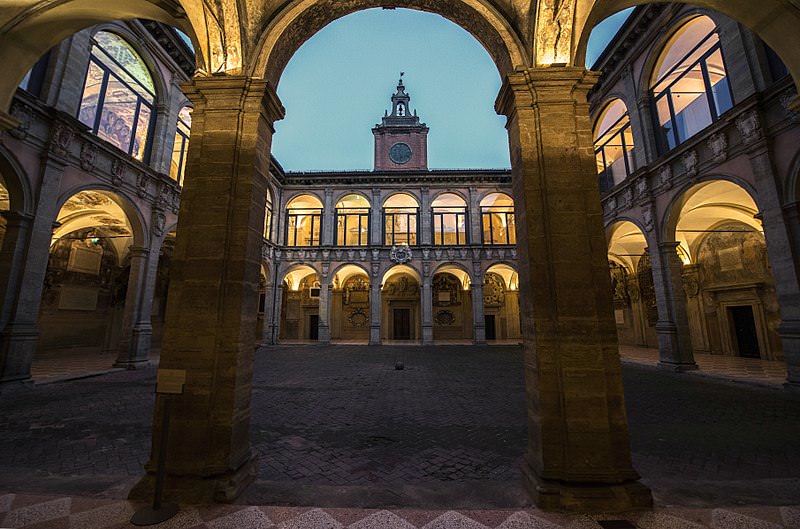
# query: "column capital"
{"type": "Point", "coordinates": [8, 122]}
{"type": "Point", "coordinates": [529, 87]}
{"type": "Point", "coordinates": [666, 246]}
{"type": "Point", "coordinates": [139, 252]}
{"type": "Point", "coordinates": [234, 93]}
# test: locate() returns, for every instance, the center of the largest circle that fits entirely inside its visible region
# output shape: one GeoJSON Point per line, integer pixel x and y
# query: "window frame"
{"type": "Point", "coordinates": [438, 214]}
{"type": "Point", "coordinates": [606, 180]}
{"type": "Point", "coordinates": [394, 212]}
{"type": "Point", "coordinates": [662, 134]}
{"type": "Point", "coordinates": [97, 60]}
{"type": "Point", "coordinates": [486, 211]}
{"type": "Point", "coordinates": [316, 218]}
{"type": "Point", "coordinates": [363, 215]}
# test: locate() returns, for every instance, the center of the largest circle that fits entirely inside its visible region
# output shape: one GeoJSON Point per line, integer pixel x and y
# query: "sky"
{"type": "Point", "coordinates": [339, 83]}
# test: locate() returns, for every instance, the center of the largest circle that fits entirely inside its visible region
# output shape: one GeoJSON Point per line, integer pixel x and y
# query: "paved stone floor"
{"type": "Point", "coordinates": [59, 512]}
{"type": "Point", "coordinates": [339, 426]}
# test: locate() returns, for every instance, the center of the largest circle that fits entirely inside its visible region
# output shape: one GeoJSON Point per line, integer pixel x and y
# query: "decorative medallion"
{"type": "Point", "coordinates": [401, 254]}
{"type": "Point", "coordinates": [444, 318]}
{"type": "Point", "coordinates": [358, 318]}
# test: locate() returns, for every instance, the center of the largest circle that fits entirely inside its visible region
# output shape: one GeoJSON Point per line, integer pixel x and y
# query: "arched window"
{"type": "Point", "coordinates": [352, 221]}
{"type": "Point", "coordinates": [181, 146]}
{"type": "Point", "coordinates": [449, 220]}
{"type": "Point", "coordinates": [497, 219]}
{"type": "Point", "coordinates": [690, 86]}
{"type": "Point", "coordinates": [304, 221]}
{"type": "Point", "coordinates": [268, 216]}
{"type": "Point", "coordinates": [119, 95]}
{"type": "Point", "coordinates": [400, 220]}
{"type": "Point", "coordinates": [613, 144]}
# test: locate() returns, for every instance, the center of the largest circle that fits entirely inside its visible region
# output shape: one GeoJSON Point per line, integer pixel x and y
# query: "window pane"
{"type": "Point", "coordinates": [690, 102]}
{"type": "Point", "coordinates": [142, 132]}
{"type": "Point", "coordinates": [487, 228]}
{"type": "Point", "coordinates": [91, 95]}
{"type": "Point", "coordinates": [719, 82]}
{"type": "Point", "coordinates": [664, 118]}
{"type": "Point", "coordinates": [117, 115]}
{"type": "Point", "coordinates": [124, 56]}
{"type": "Point", "coordinates": [315, 239]}
{"type": "Point", "coordinates": [292, 231]}
{"type": "Point", "coordinates": [512, 229]}
{"type": "Point", "coordinates": [341, 235]}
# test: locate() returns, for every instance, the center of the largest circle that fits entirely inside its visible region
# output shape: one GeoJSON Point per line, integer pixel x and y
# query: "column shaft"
{"type": "Point", "coordinates": [134, 343]}
{"type": "Point", "coordinates": [579, 450]}
{"type": "Point", "coordinates": [478, 321]}
{"type": "Point", "coordinates": [426, 302]}
{"type": "Point", "coordinates": [210, 328]}
{"type": "Point", "coordinates": [672, 328]}
{"type": "Point", "coordinates": [375, 310]}
{"type": "Point", "coordinates": [324, 309]}
{"type": "Point", "coordinates": [20, 333]}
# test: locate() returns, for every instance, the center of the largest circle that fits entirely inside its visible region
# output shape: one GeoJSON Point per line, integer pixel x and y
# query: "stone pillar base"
{"type": "Point", "coordinates": [677, 367]}
{"type": "Point", "coordinates": [586, 498]}
{"type": "Point", "coordinates": [195, 490]}
{"type": "Point", "coordinates": [17, 346]}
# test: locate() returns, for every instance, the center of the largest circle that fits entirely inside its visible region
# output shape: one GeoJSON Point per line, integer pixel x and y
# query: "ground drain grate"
{"type": "Point", "coordinates": [616, 524]}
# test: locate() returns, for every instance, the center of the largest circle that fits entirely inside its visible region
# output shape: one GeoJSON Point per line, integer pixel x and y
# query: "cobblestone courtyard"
{"type": "Point", "coordinates": [340, 426]}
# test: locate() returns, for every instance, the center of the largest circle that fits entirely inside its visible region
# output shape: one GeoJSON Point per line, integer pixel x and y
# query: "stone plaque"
{"type": "Point", "coordinates": [730, 259]}
{"type": "Point", "coordinates": [86, 259]}
{"type": "Point", "coordinates": [78, 298]}
{"type": "Point", "coordinates": [170, 381]}
{"type": "Point", "coordinates": [619, 315]}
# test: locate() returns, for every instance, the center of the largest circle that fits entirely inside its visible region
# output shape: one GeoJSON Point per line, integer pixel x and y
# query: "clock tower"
{"type": "Point", "coordinates": [401, 141]}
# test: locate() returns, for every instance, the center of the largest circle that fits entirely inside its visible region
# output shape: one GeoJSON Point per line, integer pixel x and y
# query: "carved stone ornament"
{"type": "Point", "coordinates": [647, 216]}
{"type": "Point", "coordinates": [749, 126]}
{"type": "Point", "coordinates": [376, 255]}
{"type": "Point", "coordinates": [24, 115]}
{"type": "Point", "coordinates": [141, 184]}
{"type": "Point", "coordinates": [690, 163]}
{"type": "Point", "coordinates": [176, 202]}
{"type": "Point", "coordinates": [665, 176]}
{"type": "Point", "coordinates": [610, 206]}
{"type": "Point", "coordinates": [642, 187]}
{"type": "Point", "coordinates": [718, 143]}
{"type": "Point", "coordinates": [264, 252]}
{"type": "Point", "coordinates": [627, 198]}
{"type": "Point", "coordinates": [89, 156]}
{"type": "Point", "coordinates": [61, 138]}
{"type": "Point", "coordinates": [401, 254]}
{"type": "Point", "coordinates": [117, 172]}
{"type": "Point", "coordinates": [376, 269]}
{"type": "Point", "coordinates": [159, 223]}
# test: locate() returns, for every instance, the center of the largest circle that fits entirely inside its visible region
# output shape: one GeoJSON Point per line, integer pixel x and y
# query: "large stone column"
{"type": "Point", "coordinates": [578, 455]}
{"type": "Point", "coordinates": [12, 260]}
{"type": "Point", "coordinates": [375, 307]}
{"type": "Point", "coordinates": [478, 319]}
{"type": "Point", "coordinates": [782, 257]}
{"type": "Point", "coordinates": [325, 288]}
{"type": "Point", "coordinates": [267, 337]}
{"type": "Point", "coordinates": [213, 299]}
{"type": "Point", "coordinates": [672, 328]}
{"type": "Point", "coordinates": [376, 219]}
{"type": "Point", "coordinates": [328, 220]}
{"type": "Point", "coordinates": [20, 331]}
{"type": "Point", "coordinates": [425, 227]}
{"type": "Point", "coordinates": [426, 306]}
{"type": "Point", "coordinates": [134, 346]}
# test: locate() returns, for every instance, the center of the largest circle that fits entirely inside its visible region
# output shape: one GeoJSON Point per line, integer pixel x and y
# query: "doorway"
{"type": "Point", "coordinates": [401, 324]}
{"type": "Point", "coordinates": [313, 326]}
{"type": "Point", "coordinates": [490, 326]}
{"type": "Point", "coordinates": [744, 329]}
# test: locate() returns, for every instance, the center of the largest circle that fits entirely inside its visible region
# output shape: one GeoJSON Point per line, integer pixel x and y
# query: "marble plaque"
{"type": "Point", "coordinates": [85, 259]}
{"type": "Point", "coordinates": [78, 298]}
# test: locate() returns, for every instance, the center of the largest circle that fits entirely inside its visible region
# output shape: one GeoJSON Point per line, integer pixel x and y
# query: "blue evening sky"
{"type": "Point", "coordinates": [337, 86]}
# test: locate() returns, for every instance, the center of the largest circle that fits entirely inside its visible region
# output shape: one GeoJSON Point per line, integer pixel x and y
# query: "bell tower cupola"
{"type": "Point", "coordinates": [401, 141]}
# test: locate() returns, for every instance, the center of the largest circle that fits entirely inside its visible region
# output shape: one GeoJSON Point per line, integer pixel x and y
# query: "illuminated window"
{"type": "Point", "coordinates": [400, 220]}
{"type": "Point", "coordinates": [304, 221]}
{"type": "Point", "coordinates": [268, 217]}
{"type": "Point", "coordinates": [497, 219]}
{"type": "Point", "coordinates": [613, 143]}
{"type": "Point", "coordinates": [352, 221]}
{"type": "Point", "coordinates": [690, 86]}
{"type": "Point", "coordinates": [181, 146]}
{"type": "Point", "coordinates": [449, 220]}
{"type": "Point", "coordinates": [119, 95]}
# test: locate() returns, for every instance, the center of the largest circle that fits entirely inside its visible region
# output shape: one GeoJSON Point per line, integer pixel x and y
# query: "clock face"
{"type": "Point", "coordinates": [400, 153]}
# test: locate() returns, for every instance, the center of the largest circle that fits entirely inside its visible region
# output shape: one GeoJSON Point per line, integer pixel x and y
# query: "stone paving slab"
{"type": "Point", "coordinates": [339, 426]}
{"type": "Point", "coordinates": [65, 512]}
